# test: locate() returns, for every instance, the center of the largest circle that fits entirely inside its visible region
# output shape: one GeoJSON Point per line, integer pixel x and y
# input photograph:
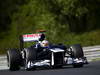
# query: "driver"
{"type": "Point", "coordinates": [44, 44]}
{"type": "Point", "coordinates": [43, 50]}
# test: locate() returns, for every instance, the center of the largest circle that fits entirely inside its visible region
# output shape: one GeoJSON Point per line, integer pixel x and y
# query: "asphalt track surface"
{"type": "Point", "coordinates": [93, 68]}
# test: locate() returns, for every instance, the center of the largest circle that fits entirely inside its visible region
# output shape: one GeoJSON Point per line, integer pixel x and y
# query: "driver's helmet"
{"type": "Point", "coordinates": [44, 43]}
{"type": "Point", "coordinates": [42, 37]}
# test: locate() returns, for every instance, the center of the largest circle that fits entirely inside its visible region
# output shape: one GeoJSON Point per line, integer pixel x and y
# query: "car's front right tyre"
{"type": "Point", "coordinates": [13, 59]}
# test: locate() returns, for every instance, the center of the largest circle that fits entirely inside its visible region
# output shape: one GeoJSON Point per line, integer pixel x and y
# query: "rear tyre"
{"type": "Point", "coordinates": [30, 55]}
{"type": "Point", "coordinates": [13, 59]}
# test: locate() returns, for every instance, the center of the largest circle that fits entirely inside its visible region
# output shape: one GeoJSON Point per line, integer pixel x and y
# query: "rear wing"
{"type": "Point", "coordinates": [29, 38]}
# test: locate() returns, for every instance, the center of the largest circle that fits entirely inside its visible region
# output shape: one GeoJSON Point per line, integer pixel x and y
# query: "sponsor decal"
{"type": "Point", "coordinates": [31, 37]}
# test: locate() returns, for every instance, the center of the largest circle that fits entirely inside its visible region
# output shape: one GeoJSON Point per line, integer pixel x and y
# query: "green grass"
{"type": "Point", "coordinates": [87, 38]}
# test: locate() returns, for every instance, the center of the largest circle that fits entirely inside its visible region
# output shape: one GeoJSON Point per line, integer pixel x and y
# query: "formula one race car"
{"type": "Point", "coordinates": [44, 54]}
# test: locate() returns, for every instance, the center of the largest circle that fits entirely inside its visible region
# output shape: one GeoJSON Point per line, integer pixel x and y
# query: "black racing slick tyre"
{"type": "Point", "coordinates": [13, 59]}
{"type": "Point", "coordinates": [76, 51]}
{"type": "Point", "coordinates": [30, 54]}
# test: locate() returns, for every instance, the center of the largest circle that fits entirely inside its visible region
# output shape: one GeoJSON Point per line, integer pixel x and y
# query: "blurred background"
{"type": "Point", "coordinates": [66, 21]}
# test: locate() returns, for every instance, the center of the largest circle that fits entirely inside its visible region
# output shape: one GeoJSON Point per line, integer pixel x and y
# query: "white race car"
{"type": "Point", "coordinates": [53, 56]}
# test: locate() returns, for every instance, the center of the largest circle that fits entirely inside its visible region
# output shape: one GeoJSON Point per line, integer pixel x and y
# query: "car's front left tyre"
{"type": "Point", "coordinates": [77, 53]}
